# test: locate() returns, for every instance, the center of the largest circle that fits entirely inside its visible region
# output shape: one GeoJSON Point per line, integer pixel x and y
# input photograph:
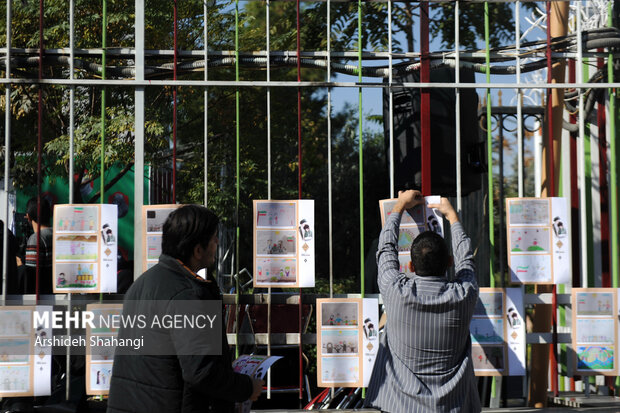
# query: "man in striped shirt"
{"type": "Point", "coordinates": [424, 361]}
{"type": "Point", "coordinates": [44, 258]}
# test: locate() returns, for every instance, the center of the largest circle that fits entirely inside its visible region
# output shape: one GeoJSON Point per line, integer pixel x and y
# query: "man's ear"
{"type": "Point", "coordinates": [411, 267]}
{"type": "Point", "coordinates": [197, 251]}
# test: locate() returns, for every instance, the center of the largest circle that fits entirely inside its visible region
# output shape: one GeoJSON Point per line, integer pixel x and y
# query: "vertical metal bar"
{"type": "Point", "coordinates": [71, 163]}
{"type": "Point", "coordinates": [582, 73]}
{"type": "Point", "coordinates": [39, 149]}
{"type": "Point", "coordinates": [329, 151]}
{"type": "Point", "coordinates": [519, 99]}
{"type": "Point", "coordinates": [268, 39]}
{"type": "Point", "coordinates": [139, 140]}
{"type": "Point", "coordinates": [206, 101]}
{"type": "Point", "coordinates": [603, 185]}
{"type": "Point", "coordinates": [425, 100]}
{"type": "Point", "coordinates": [238, 181]}
{"type": "Point", "coordinates": [391, 103]}
{"type": "Point", "coordinates": [500, 205]}
{"type": "Point", "coordinates": [360, 142]}
{"type": "Point", "coordinates": [457, 106]}
{"type": "Point", "coordinates": [613, 171]}
{"type": "Point", "coordinates": [551, 193]}
{"type": "Point", "coordinates": [174, 105]}
{"type": "Point", "coordinates": [489, 147]}
{"type": "Point", "coordinates": [71, 100]}
{"type": "Point", "coordinates": [7, 146]}
{"type": "Point", "coordinates": [299, 153]}
{"type": "Point", "coordinates": [267, 35]}
{"type": "Point", "coordinates": [104, 24]}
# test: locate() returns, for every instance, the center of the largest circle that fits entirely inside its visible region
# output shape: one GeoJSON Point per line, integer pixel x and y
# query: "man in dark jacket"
{"type": "Point", "coordinates": [187, 381]}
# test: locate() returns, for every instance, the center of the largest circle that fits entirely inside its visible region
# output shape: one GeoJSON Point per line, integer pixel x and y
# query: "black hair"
{"type": "Point", "coordinates": [185, 228]}
{"type": "Point", "coordinates": [46, 213]}
{"type": "Point", "coordinates": [430, 255]}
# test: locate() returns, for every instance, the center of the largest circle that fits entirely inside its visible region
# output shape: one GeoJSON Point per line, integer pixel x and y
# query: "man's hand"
{"type": "Point", "coordinates": [445, 207]}
{"type": "Point", "coordinates": [408, 199]}
{"type": "Point", "coordinates": [257, 388]}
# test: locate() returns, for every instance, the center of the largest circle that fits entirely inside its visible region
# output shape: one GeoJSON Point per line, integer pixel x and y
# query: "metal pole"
{"type": "Point", "coordinates": [582, 73]}
{"type": "Point", "coordinates": [489, 147]}
{"type": "Point", "coordinates": [329, 151]}
{"type": "Point", "coordinates": [457, 106]}
{"type": "Point", "coordinates": [174, 104]}
{"type": "Point", "coordinates": [519, 99]}
{"type": "Point", "coordinates": [206, 103]}
{"type": "Point", "coordinates": [139, 140]}
{"type": "Point", "coordinates": [391, 103]}
{"type": "Point", "coordinates": [7, 148]}
{"type": "Point", "coordinates": [613, 171]}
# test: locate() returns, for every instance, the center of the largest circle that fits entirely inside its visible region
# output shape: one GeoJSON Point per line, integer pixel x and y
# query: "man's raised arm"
{"type": "Point", "coordinates": [387, 252]}
{"type": "Point", "coordinates": [461, 244]}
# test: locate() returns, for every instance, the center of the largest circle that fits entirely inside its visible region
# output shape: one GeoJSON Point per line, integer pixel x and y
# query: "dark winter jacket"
{"type": "Point", "coordinates": [174, 383]}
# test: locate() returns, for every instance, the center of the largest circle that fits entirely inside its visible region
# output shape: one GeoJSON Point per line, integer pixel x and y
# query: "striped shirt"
{"type": "Point", "coordinates": [424, 360]}
{"type": "Point", "coordinates": [45, 249]}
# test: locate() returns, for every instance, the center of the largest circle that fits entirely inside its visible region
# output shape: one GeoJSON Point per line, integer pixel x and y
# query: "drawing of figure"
{"type": "Point", "coordinates": [338, 319]}
{"type": "Point", "coordinates": [346, 320]}
{"type": "Point", "coordinates": [304, 230]}
{"type": "Point", "coordinates": [61, 279]}
{"type": "Point", "coordinates": [331, 320]}
{"type": "Point", "coordinates": [433, 224]}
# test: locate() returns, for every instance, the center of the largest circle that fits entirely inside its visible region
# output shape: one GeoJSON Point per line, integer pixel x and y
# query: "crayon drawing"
{"type": "Point", "coordinates": [76, 248]}
{"type": "Point", "coordinates": [153, 247]}
{"type": "Point", "coordinates": [595, 304]}
{"type": "Point", "coordinates": [155, 219]}
{"type": "Point", "coordinates": [488, 358]}
{"type": "Point", "coordinates": [530, 268]}
{"type": "Point", "coordinates": [530, 239]}
{"type": "Point", "coordinates": [339, 314]}
{"type": "Point", "coordinates": [14, 379]}
{"type": "Point", "coordinates": [595, 330]}
{"type": "Point", "coordinates": [339, 341]}
{"type": "Point", "coordinates": [276, 242]}
{"type": "Point", "coordinates": [487, 330]}
{"type": "Point", "coordinates": [489, 304]}
{"type": "Point", "coordinates": [410, 217]}
{"type": "Point", "coordinates": [76, 219]}
{"type": "Point", "coordinates": [276, 270]}
{"type": "Point", "coordinates": [595, 357]}
{"type": "Point", "coordinates": [15, 322]}
{"type": "Point", "coordinates": [15, 350]}
{"type": "Point", "coordinates": [406, 236]}
{"type": "Point", "coordinates": [528, 211]}
{"type": "Point", "coordinates": [340, 369]}
{"type": "Point", "coordinates": [275, 214]}
{"type": "Point", "coordinates": [76, 275]}
{"type": "Point", "coordinates": [404, 260]}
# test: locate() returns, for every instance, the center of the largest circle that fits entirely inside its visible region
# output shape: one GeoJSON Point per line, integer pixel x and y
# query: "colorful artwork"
{"type": "Point", "coordinates": [595, 330]}
{"type": "Point", "coordinates": [76, 219]}
{"type": "Point", "coordinates": [530, 239]}
{"type": "Point", "coordinates": [595, 304]}
{"type": "Point", "coordinates": [595, 357]}
{"type": "Point", "coordinates": [14, 379]}
{"type": "Point", "coordinates": [76, 248]}
{"type": "Point", "coordinates": [76, 275]}
{"type": "Point", "coordinates": [15, 323]}
{"type": "Point", "coordinates": [275, 214]}
{"type": "Point", "coordinates": [339, 341]}
{"type": "Point", "coordinates": [153, 247]}
{"type": "Point", "coordinates": [410, 217]}
{"type": "Point", "coordinates": [276, 242]}
{"type": "Point", "coordinates": [529, 212]}
{"type": "Point", "coordinates": [489, 304]}
{"type": "Point", "coordinates": [340, 369]}
{"type": "Point", "coordinates": [530, 268]}
{"type": "Point", "coordinates": [404, 260]}
{"type": "Point", "coordinates": [487, 330]}
{"type": "Point", "coordinates": [100, 375]}
{"type": "Point", "coordinates": [406, 236]}
{"type": "Point", "coordinates": [15, 350]}
{"type": "Point", "coordinates": [339, 314]}
{"type": "Point", "coordinates": [155, 219]}
{"type": "Point", "coordinates": [276, 270]}
{"type": "Point", "coordinates": [488, 358]}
